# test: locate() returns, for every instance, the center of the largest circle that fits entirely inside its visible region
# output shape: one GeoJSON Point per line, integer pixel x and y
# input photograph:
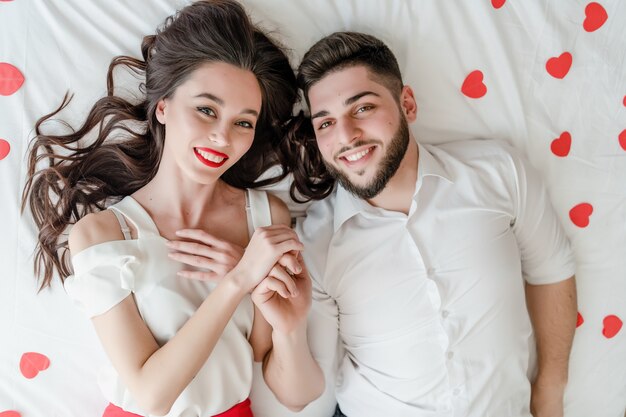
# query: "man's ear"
{"type": "Point", "coordinates": [408, 103]}
{"type": "Point", "coordinates": [160, 111]}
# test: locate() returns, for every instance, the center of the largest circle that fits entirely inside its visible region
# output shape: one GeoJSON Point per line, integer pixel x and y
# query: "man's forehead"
{"type": "Point", "coordinates": [338, 86]}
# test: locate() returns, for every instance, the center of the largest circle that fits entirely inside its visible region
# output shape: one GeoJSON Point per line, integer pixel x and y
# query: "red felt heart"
{"type": "Point", "coordinates": [579, 214]}
{"type": "Point", "coordinates": [622, 139]}
{"type": "Point", "coordinates": [624, 101]}
{"type": "Point", "coordinates": [10, 413]}
{"type": "Point", "coordinates": [561, 145]}
{"type": "Point", "coordinates": [579, 320]}
{"type": "Point", "coordinates": [612, 326]}
{"type": "Point", "coordinates": [11, 79]}
{"type": "Point", "coordinates": [595, 16]}
{"type": "Point", "coordinates": [473, 86]}
{"type": "Point", "coordinates": [5, 148]}
{"type": "Point", "coordinates": [558, 67]}
{"type": "Point", "coordinates": [497, 3]}
{"type": "Point", "coordinates": [32, 363]}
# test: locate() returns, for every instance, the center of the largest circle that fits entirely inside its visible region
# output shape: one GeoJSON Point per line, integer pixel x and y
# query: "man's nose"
{"type": "Point", "coordinates": [349, 131]}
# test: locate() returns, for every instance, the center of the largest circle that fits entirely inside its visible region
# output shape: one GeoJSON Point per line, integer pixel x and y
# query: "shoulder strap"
{"type": "Point", "coordinates": [257, 210]}
{"type": "Point", "coordinates": [123, 224]}
{"type": "Point", "coordinates": [134, 213]}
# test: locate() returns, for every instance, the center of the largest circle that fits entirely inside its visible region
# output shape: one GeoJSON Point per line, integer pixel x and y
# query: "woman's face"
{"type": "Point", "coordinates": [210, 121]}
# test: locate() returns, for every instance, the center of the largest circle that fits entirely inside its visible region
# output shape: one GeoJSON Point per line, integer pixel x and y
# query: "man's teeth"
{"type": "Point", "coordinates": [211, 157]}
{"type": "Point", "coordinates": [358, 155]}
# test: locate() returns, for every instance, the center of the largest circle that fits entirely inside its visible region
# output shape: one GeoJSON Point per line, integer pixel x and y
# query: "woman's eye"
{"type": "Point", "coordinates": [245, 124]}
{"type": "Point", "coordinates": [206, 110]}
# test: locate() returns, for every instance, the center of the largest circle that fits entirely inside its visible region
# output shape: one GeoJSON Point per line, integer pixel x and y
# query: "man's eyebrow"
{"type": "Point", "coordinates": [221, 103]}
{"type": "Point", "coordinates": [356, 97]}
{"type": "Point", "coordinates": [347, 102]}
{"type": "Point", "coordinates": [319, 114]}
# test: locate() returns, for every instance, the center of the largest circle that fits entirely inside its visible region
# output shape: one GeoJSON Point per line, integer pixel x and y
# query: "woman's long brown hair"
{"type": "Point", "coordinates": [68, 178]}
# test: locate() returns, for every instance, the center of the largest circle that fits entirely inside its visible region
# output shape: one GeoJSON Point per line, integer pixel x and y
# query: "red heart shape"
{"type": "Point", "coordinates": [595, 16]}
{"type": "Point", "coordinates": [579, 320]}
{"type": "Point", "coordinates": [612, 326]}
{"type": "Point", "coordinates": [558, 67]}
{"type": "Point", "coordinates": [11, 79]}
{"type": "Point", "coordinates": [579, 214]}
{"type": "Point", "coordinates": [10, 413]}
{"type": "Point", "coordinates": [32, 363]}
{"type": "Point", "coordinates": [473, 86]}
{"type": "Point", "coordinates": [624, 101]}
{"type": "Point", "coordinates": [562, 145]}
{"type": "Point", "coordinates": [5, 148]}
{"type": "Point", "coordinates": [622, 139]}
{"type": "Point", "coordinates": [497, 3]}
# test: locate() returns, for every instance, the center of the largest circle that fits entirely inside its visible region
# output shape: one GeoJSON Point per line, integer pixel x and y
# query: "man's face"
{"type": "Point", "coordinates": [360, 130]}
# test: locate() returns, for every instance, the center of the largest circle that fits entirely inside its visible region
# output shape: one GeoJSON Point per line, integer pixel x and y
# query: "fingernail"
{"type": "Point", "coordinates": [179, 232]}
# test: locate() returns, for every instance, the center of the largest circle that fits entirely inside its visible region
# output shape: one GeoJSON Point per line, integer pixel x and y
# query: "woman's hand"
{"type": "Point", "coordinates": [284, 299]}
{"type": "Point", "coordinates": [267, 246]}
{"type": "Point", "coordinates": [203, 250]}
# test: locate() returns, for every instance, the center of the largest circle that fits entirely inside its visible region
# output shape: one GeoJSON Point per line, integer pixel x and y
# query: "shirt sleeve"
{"type": "Point", "coordinates": [315, 232]}
{"type": "Point", "coordinates": [545, 250]}
{"type": "Point", "coordinates": [103, 277]}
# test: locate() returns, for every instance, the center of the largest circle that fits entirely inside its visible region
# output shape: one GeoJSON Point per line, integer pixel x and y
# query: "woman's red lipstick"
{"type": "Point", "coordinates": [207, 153]}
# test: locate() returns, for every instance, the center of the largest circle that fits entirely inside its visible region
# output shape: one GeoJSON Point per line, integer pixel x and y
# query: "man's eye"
{"type": "Point", "coordinates": [206, 110]}
{"type": "Point", "coordinates": [324, 125]}
{"type": "Point", "coordinates": [364, 109]}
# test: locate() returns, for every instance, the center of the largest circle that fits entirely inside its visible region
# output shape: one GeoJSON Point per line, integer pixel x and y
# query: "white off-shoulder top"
{"type": "Point", "coordinates": [106, 273]}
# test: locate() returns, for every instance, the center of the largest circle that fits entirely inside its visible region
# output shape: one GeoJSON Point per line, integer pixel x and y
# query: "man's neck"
{"type": "Point", "coordinates": [398, 193]}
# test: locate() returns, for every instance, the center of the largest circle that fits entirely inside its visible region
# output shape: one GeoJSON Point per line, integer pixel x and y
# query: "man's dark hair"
{"type": "Point", "coordinates": [335, 52]}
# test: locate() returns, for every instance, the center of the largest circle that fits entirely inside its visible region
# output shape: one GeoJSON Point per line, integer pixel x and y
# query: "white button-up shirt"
{"type": "Point", "coordinates": [428, 310]}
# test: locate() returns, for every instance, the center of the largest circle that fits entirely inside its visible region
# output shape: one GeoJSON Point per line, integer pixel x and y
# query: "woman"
{"type": "Point", "coordinates": [218, 94]}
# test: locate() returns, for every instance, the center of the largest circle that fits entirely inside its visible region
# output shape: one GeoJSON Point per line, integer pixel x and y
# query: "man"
{"type": "Point", "coordinates": [422, 256]}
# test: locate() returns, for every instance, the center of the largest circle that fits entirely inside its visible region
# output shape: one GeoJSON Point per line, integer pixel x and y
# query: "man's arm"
{"type": "Point", "coordinates": [548, 267]}
{"type": "Point", "coordinates": [552, 309]}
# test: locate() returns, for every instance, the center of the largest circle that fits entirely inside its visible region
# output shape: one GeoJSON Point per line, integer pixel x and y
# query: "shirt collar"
{"type": "Point", "coordinates": [348, 206]}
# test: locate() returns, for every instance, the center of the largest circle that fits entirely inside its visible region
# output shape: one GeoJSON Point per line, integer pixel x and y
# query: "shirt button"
{"type": "Point", "coordinates": [450, 355]}
{"type": "Point", "coordinates": [456, 391]}
{"type": "Point", "coordinates": [445, 313]}
{"type": "Point", "coordinates": [430, 272]}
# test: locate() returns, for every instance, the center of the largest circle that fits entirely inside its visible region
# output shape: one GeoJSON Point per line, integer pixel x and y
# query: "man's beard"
{"type": "Point", "coordinates": [388, 166]}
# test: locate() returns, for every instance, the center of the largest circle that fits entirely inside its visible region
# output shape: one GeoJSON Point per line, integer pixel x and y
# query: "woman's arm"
{"type": "Point", "coordinates": [157, 375]}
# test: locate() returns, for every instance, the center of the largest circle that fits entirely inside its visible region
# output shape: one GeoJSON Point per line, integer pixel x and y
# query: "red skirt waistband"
{"type": "Point", "coordinates": [239, 410]}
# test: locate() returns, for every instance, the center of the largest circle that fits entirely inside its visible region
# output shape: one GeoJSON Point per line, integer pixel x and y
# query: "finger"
{"type": "Point", "coordinates": [289, 261]}
{"type": "Point", "coordinates": [278, 272]}
{"type": "Point", "coordinates": [195, 260]}
{"type": "Point", "coordinates": [201, 249]}
{"type": "Point", "coordinates": [202, 236]}
{"type": "Point", "coordinates": [276, 285]}
{"type": "Point", "coordinates": [199, 275]}
{"type": "Point", "coordinates": [289, 245]}
{"type": "Point", "coordinates": [274, 230]}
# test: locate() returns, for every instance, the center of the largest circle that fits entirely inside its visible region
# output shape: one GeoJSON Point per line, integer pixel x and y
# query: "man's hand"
{"type": "Point", "coordinates": [546, 399]}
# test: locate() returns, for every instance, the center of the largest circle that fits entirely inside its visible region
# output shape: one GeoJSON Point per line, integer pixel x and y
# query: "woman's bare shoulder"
{"type": "Point", "coordinates": [93, 229]}
{"type": "Point", "coordinates": [279, 210]}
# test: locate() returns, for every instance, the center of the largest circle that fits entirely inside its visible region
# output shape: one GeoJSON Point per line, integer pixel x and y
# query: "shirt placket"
{"type": "Point", "coordinates": [453, 362]}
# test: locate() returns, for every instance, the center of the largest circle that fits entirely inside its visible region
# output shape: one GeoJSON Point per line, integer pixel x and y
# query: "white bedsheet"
{"type": "Point", "coordinates": [66, 45]}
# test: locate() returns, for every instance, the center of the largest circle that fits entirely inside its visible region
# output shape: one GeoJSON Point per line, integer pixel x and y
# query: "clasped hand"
{"type": "Point", "coordinates": [270, 268]}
